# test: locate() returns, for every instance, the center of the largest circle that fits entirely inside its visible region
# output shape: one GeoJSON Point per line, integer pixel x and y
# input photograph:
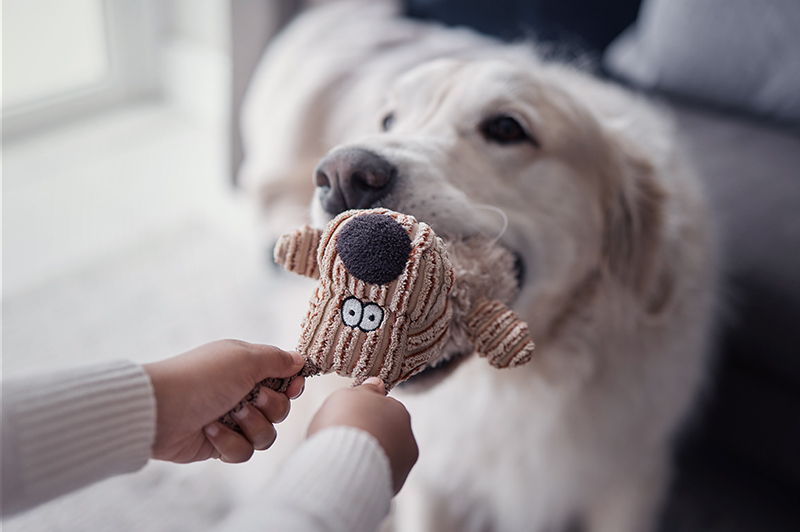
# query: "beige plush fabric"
{"type": "Point", "coordinates": [416, 310]}
{"type": "Point", "coordinates": [485, 273]}
{"type": "Point", "coordinates": [498, 334]}
{"type": "Point", "coordinates": [297, 252]}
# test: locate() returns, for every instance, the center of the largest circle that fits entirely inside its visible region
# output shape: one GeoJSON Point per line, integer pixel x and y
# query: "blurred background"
{"type": "Point", "coordinates": [115, 123]}
{"type": "Point", "coordinates": [124, 235]}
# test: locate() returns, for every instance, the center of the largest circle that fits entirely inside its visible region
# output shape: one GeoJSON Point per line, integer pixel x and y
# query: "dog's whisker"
{"type": "Point", "coordinates": [499, 211]}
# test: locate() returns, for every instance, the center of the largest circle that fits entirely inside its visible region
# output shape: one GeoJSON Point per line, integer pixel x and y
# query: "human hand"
{"type": "Point", "coordinates": [366, 407]}
{"type": "Point", "coordinates": [194, 389]}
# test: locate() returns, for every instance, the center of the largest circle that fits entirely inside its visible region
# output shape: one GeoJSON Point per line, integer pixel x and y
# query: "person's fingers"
{"type": "Point", "coordinates": [374, 384]}
{"type": "Point", "coordinates": [232, 447]}
{"type": "Point", "coordinates": [255, 426]}
{"type": "Point", "coordinates": [275, 406]}
{"type": "Point", "coordinates": [296, 387]}
{"type": "Point", "coordinates": [271, 361]}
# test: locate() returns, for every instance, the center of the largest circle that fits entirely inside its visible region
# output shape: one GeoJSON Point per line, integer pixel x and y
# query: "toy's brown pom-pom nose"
{"type": "Point", "coordinates": [374, 248]}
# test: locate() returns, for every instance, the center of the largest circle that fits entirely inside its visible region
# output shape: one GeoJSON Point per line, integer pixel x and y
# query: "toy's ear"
{"type": "Point", "coordinates": [297, 251]}
{"type": "Point", "coordinates": [497, 333]}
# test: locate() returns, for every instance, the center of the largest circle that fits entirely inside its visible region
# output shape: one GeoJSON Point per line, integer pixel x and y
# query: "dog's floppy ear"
{"type": "Point", "coordinates": [634, 223]}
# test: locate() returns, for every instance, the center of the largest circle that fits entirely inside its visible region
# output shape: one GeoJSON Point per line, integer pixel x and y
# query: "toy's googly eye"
{"type": "Point", "coordinates": [372, 318]}
{"type": "Point", "coordinates": [352, 310]}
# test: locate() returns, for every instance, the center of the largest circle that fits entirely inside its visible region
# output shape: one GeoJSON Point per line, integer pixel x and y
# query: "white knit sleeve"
{"type": "Point", "coordinates": [63, 431]}
{"type": "Point", "coordinates": [339, 480]}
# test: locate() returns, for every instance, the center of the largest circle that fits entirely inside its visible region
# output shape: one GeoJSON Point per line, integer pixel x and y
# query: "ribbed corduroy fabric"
{"type": "Point", "coordinates": [499, 335]}
{"type": "Point", "coordinates": [65, 430]}
{"type": "Point", "coordinates": [416, 310]}
{"type": "Point", "coordinates": [339, 480]}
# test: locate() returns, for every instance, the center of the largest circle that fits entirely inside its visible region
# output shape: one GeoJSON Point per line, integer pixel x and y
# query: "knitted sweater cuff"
{"type": "Point", "coordinates": [339, 480]}
{"type": "Point", "coordinates": [65, 430]}
{"type": "Point", "coordinates": [342, 477]}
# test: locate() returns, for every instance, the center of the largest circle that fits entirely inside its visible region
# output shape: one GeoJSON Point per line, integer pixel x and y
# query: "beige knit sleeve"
{"type": "Point", "coordinates": [66, 430]}
{"type": "Point", "coordinates": [339, 480]}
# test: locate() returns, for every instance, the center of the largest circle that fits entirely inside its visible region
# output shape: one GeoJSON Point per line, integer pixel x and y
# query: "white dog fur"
{"type": "Point", "coordinates": [609, 221]}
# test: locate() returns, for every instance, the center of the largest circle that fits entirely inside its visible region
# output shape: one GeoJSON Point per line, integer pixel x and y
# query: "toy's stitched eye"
{"type": "Point", "coordinates": [504, 130]}
{"type": "Point", "coordinates": [372, 318]}
{"type": "Point", "coordinates": [388, 122]}
{"type": "Point", "coordinates": [352, 310]}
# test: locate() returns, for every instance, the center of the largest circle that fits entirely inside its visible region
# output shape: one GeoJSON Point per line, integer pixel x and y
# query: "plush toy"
{"type": "Point", "coordinates": [388, 294]}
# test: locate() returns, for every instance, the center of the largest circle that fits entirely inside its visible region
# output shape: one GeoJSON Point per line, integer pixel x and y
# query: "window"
{"type": "Point", "coordinates": [64, 58]}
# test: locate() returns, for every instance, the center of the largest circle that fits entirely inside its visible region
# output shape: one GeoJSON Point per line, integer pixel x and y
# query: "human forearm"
{"type": "Point", "coordinates": [65, 430]}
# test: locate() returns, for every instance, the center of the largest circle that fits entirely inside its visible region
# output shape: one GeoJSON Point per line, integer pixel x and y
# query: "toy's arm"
{"type": "Point", "coordinates": [275, 383]}
{"type": "Point", "coordinates": [297, 251]}
{"type": "Point", "coordinates": [498, 334]}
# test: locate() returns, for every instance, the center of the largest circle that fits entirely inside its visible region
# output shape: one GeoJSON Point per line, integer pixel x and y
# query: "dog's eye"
{"type": "Point", "coordinates": [388, 121]}
{"type": "Point", "coordinates": [503, 129]}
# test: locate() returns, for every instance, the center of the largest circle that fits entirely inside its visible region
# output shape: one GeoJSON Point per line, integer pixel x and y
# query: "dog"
{"type": "Point", "coordinates": [584, 181]}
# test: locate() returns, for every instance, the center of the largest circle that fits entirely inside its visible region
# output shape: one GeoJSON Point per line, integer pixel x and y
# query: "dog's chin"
{"type": "Point", "coordinates": [434, 374]}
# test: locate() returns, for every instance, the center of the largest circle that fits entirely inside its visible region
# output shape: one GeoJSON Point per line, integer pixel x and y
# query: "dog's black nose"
{"type": "Point", "coordinates": [353, 178]}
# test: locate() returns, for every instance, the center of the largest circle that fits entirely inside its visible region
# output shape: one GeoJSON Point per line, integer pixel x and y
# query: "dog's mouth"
{"type": "Point", "coordinates": [434, 373]}
{"type": "Point", "coordinates": [519, 269]}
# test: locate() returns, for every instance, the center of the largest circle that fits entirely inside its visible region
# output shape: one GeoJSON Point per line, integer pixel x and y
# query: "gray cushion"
{"type": "Point", "coordinates": [743, 54]}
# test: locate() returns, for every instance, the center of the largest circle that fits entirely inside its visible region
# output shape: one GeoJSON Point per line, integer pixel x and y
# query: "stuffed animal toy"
{"type": "Point", "coordinates": [384, 305]}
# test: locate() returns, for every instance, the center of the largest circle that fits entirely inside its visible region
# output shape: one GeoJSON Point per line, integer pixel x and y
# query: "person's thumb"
{"type": "Point", "coordinates": [271, 361]}
{"type": "Point", "coordinates": [374, 384]}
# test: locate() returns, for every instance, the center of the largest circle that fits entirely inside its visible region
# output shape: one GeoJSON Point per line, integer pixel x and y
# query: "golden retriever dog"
{"type": "Point", "coordinates": [354, 107]}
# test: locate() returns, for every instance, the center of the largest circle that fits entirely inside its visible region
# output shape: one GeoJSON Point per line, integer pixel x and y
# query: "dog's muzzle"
{"type": "Point", "coordinates": [353, 178]}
